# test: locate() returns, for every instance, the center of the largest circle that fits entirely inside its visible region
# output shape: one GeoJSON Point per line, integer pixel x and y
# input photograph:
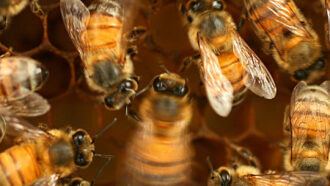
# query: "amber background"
{"type": "Point", "coordinates": [256, 123]}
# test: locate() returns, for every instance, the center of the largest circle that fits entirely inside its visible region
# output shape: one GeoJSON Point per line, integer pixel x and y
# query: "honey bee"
{"type": "Point", "coordinates": [247, 175]}
{"type": "Point", "coordinates": [20, 77]}
{"type": "Point", "coordinates": [294, 44]}
{"type": "Point", "coordinates": [43, 156]}
{"type": "Point", "coordinates": [98, 34]}
{"type": "Point", "coordinates": [159, 153]}
{"type": "Point", "coordinates": [228, 65]}
{"type": "Point", "coordinates": [307, 126]}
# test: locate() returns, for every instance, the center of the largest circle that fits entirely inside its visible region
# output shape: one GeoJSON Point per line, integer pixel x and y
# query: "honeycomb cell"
{"type": "Point", "coordinates": [20, 34]}
{"type": "Point", "coordinates": [60, 74]}
{"type": "Point", "coordinates": [57, 33]}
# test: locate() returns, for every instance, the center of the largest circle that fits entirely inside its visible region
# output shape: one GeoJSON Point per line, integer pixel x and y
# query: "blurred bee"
{"type": "Point", "coordinates": [228, 65]}
{"type": "Point", "coordinates": [20, 77]}
{"type": "Point", "coordinates": [293, 42]}
{"type": "Point", "coordinates": [159, 153]}
{"type": "Point", "coordinates": [98, 34]}
{"type": "Point", "coordinates": [247, 175]}
{"type": "Point", "coordinates": [44, 156]}
{"type": "Point", "coordinates": [307, 126]}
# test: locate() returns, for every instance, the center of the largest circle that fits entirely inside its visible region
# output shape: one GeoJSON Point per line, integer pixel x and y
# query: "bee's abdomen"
{"type": "Point", "coordinates": [18, 76]}
{"type": "Point", "coordinates": [19, 166]}
{"type": "Point", "coordinates": [234, 71]}
{"type": "Point", "coordinates": [155, 159]}
{"type": "Point", "coordinates": [264, 18]}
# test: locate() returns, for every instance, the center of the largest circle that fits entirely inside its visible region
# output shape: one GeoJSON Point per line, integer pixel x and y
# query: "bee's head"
{"type": "Point", "coordinates": [123, 95]}
{"type": "Point", "coordinates": [222, 177]}
{"type": "Point", "coordinates": [83, 148]}
{"type": "Point", "coordinates": [311, 73]}
{"type": "Point", "coordinates": [169, 83]}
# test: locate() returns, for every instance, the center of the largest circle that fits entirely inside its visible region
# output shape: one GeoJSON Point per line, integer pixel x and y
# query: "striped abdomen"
{"type": "Point", "coordinates": [159, 159]}
{"type": "Point", "coordinates": [18, 75]}
{"type": "Point", "coordinates": [19, 166]}
{"type": "Point", "coordinates": [104, 31]}
{"type": "Point", "coordinates": [310, 120]}
{"type": "Point", "coordinates": [234, 71]}
{"type": "Point", "coordinates": [265, 19]}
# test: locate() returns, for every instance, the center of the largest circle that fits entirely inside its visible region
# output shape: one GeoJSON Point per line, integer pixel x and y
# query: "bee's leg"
{"type": "Point", "coordinates": [245, 153]}
{"type": "Point", "coordinates": [138, 33]}
{"type": "Point", "coordinates": [3, 22]}
{"type": "Point", "coordinates": [132, 51]}
{"type": "Point", "coordinates": [286, 121]}
{"type": "Point", "coordinates": [242, 19]}
{"type": "Point", "coordinates": [36, 8]}
{"type": "Point", "coordinates": [131, 113]}
{"type": "Point", "coordinates": [188, 60]}
{"type": "Point", "coordinates": [43, 126]}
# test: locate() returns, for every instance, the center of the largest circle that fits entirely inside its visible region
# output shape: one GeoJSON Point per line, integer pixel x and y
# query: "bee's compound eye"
{"type": "Point", "coordinates": [217, 5]}
{"type": "Point", "coordinates": [180, 90]}
{"type": "Point", "coordinates": [78, 138]}
{"type": "Point", "coordinates": [80, 160]}
{"type": "Point", "coordinates": [195, 6]}
{"type": "Point", "coordinates": [300, 75]}
{"type": "Point", "coordinates": [319, 64]}
{"type": "Point", "coordinates": [159, 85]}
{"type": "Point", "coordinates": [225, 178]}
{"type": "Point", "coordinates": [75, 183]}
{"type": "Point", "coordinates": [109, 101]}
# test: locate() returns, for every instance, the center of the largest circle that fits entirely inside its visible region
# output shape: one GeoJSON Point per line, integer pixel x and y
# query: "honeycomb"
{"type": "Point", "coordinates": [255, 124]}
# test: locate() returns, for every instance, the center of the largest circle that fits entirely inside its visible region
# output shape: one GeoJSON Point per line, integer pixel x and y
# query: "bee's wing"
{"type": "Point", "coordinates": [326, 86]}
{"type": "Point", "coordinates": [76, 18]}
{"type": "Point", "coordinates": [15, 75]}
{"type": "Point", "coordinates": [294, 178]}
{"type": "Point", "coordinates": [30, 105]}
{"type": "Point", "coordinates": [295, 93]}
{"type": "Point", "coordinates": [259, 80]}
{"type": "Point", "coordinates": [48, 181]}
{"type": "Point", "coordinates": [18, 127]}
{"type": "Point", "coordinates": [284, 13]}
{"type": "Point", "coordinates": [218, 88]}
{"type": "Point", "coordinates": [327, 6]}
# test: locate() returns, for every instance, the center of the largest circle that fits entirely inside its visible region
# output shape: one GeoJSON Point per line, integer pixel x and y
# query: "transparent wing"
{"type": "Point", "coordinates": [260, 81]}
{"type": "Point", "coordinates": [295, 94]}
{"type": "Point", "coordinates": [49, 181]}
{"type": "Point", "coordinates": [15, 75]}
{"type": "Point", "coordinates": [18, 127]}
{"type": "Point", "coordinates": [284, 13]}
{"type": "Point", "coordinates": [30, 105]}
{"type": "Point", "coordinates": [76, 16]}
{"type": "Point", "coordinates": [3, 128]}
{"type": "Point", "coordinates": [218, 88]}
{"type": "Point", "coordinates": [294, 178]}
{"type": "Point", "coordinates": [326, 86]}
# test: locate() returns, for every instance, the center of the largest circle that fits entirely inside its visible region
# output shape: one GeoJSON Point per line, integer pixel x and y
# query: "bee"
{"type": "Point", "coordinates": [159, 153]}
{"type": "Point", "coordinates": [228, 66]}
{"type": "Point", "coordinates": [20, 77]}
{"type": "Point", "coordinates": [294, 44]}
{"type": "Point", "coordinates": [43, 157]}
{"type": "Point", "coordinates": [249, 174]}
{"type": "Point", "coordinates": [98, 35]}
{"type": "Point", "coordinates": [307, 126]}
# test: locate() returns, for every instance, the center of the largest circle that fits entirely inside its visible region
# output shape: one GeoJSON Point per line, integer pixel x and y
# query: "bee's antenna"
{"type": "Point", "coordinates": [109, 157]}
{"type": "Point", "coordinates": [209, 163]}
{"type": "Point", "coordinates": [165, 69]}
{"type": "Point", "coordinates": [103, 130]}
